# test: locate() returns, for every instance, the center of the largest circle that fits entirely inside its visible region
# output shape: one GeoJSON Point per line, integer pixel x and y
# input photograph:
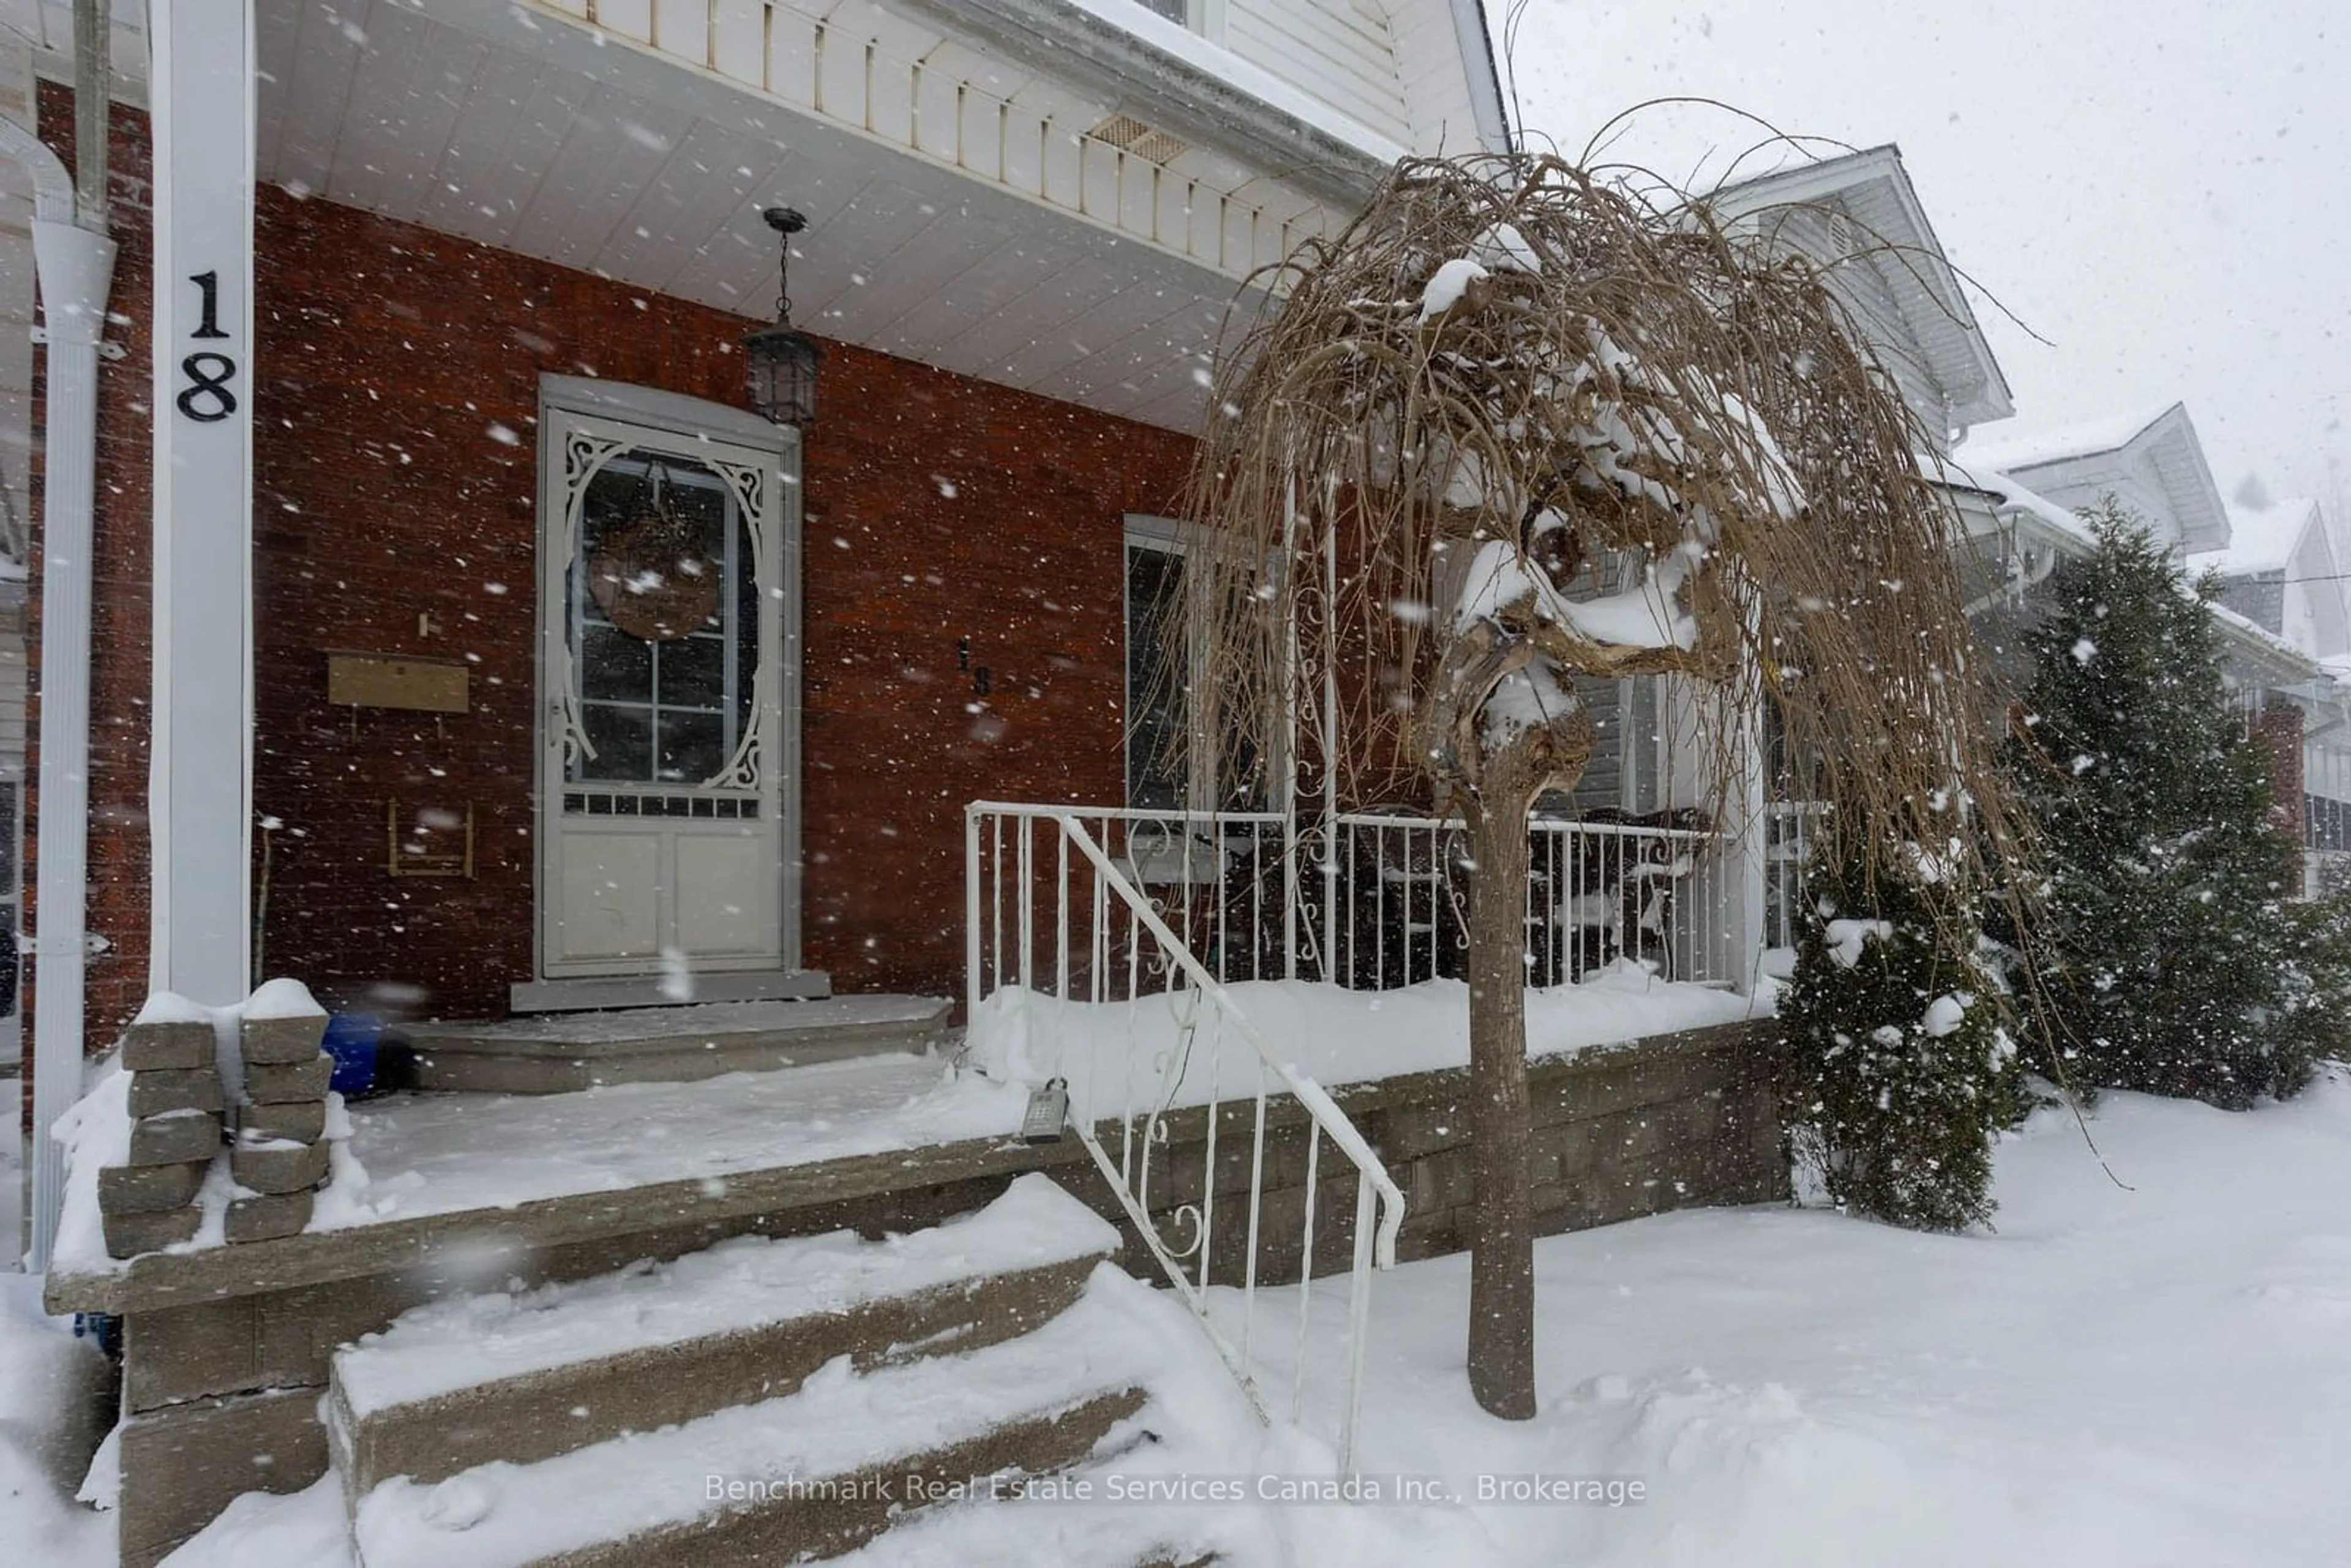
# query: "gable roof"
{"type": "Point", "coordinates": [1898, 247]}
{"type": "Point", "coordinates": [2261, 540]}
{"type": "Point", "coordinates": [2153, 462]}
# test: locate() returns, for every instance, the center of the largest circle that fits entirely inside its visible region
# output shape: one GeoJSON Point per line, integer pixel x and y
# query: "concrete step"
{"type": "Point", "coordinates": [467, 1382]}
{"type": "Point", "coordinates": [814, 1474]}
{"type": "Point", "coordinates": [555, 1053]}
{"type": "Point", "coordinates": [1124, 1534]}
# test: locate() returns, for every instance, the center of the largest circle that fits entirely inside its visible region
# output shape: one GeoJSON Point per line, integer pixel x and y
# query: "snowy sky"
{"type": "Point", "coordinates": [2163, 190]}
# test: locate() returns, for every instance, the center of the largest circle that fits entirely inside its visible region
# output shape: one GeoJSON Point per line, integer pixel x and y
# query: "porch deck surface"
{"type": "Point", "coordinates": [417, 1167]}
{"type": "Point", "coordinates": [560, 1053]}
{"type": "Point", "coordinates": [438, 1154]}
{"type": "Point", "coordinates": [421, 1178]}
{"type": "Point", "coordinates": [709, 1020]}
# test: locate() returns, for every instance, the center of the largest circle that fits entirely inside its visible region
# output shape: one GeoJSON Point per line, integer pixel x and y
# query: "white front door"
{"type": "Point", "coordinates": [668, 675]}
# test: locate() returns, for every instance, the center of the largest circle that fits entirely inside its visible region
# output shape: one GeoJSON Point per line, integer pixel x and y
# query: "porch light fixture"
{"type": "Point", "coordinates": [781, 359]}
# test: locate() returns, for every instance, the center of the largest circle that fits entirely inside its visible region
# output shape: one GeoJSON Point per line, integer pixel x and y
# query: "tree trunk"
{"type": "Point", "coordinates": [1501, 1224]}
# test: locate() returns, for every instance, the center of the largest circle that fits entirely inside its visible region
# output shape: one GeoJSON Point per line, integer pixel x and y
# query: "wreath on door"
{"type": "Point", "coordinates": [651, 576]}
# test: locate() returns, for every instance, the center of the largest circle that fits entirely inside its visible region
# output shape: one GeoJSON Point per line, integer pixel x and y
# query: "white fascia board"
{"type": "Point", "coordinates": [2265, 653]}
{"type": "Point", "coordinates": [1478, 64]}
{"type": "Point", "coordinates": [2196, 502]}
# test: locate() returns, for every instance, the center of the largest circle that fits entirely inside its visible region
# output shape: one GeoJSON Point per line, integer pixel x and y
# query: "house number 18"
{"type": "Point", "coordinates": [207, 398]}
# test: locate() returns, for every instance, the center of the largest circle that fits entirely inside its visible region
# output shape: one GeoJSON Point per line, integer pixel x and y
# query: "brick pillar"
{"type": "Point", "coordinates": [2277, 730]}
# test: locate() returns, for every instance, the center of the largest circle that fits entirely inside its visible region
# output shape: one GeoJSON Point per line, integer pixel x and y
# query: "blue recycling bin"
{"type": "Point", "coordinates": [351, 1040]}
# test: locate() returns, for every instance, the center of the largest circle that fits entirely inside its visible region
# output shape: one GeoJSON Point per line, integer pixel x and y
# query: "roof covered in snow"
{"type": "Point", "coordinates": [2272, 653]}
{"type": "Point", "coordinates": [2055, 444]}
{"type": "Point", "coordinates": [1863, 207]}
{"type": "Point", "coordinates": [2260, 539]}
{"type": "Point", "coordinates": [2281, 568]}
{"type": "Point", "coordinates": [2152, 463]}
{"type": "Point", "coordinates": [2012, 497]}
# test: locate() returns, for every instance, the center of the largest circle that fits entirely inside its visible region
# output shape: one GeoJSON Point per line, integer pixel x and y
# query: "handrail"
{"type": "Point", "coordinates": [1123, 931]}
{"type": "Point", "coordinates": [1310, 1094]}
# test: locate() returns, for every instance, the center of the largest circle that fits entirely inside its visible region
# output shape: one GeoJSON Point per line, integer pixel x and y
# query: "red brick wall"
{"type": "Point", "coordinates": [2277, 730]}
{"type": "Point", "coordinates": [389, 359]}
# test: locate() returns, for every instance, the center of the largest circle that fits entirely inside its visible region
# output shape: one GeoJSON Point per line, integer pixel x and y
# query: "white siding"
{"type": "Point", "coordinates": [1862, 290]}
{"type": "Point", "coordinates": [1340, 52]}
{"type": "Point", "coordinates": [1435, 77]}
{"type": "Point", "coordinates": [859, 64]}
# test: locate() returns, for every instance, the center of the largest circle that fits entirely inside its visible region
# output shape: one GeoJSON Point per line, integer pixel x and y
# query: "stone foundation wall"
{"type": "Point", "coordinates": [1676, 1120]}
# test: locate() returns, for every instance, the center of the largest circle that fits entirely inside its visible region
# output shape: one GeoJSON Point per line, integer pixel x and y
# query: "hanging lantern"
{"type": "Point", "coordinates": [782, 359]}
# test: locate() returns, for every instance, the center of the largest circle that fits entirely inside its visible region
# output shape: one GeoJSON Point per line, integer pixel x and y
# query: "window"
{"type": "Point", "coordinates": [1163, 770]}
{"type": "Point", "coordinates": [667, 709]}
{"type": "Point", "coordinates": [1158, 666]}
{"type": "Point", "coordinates": [1205, 17]}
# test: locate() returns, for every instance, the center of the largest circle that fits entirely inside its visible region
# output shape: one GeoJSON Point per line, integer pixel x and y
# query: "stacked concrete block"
{"type": "Point", "coordinates": [280, 1155]}
{"type": "Point", "coordinates": [175, 1102]}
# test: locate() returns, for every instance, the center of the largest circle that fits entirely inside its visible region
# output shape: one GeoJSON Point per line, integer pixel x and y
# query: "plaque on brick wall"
{"type": "Point", "coordinates": [387, 680]}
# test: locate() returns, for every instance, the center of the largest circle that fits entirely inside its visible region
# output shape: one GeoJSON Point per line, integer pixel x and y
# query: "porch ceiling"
{"type": "Point", "coordinates": [521, 131]}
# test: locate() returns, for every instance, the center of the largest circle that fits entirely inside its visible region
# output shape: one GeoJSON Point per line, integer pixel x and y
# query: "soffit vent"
{"type": "Point", "coordinates": [1131, 135]}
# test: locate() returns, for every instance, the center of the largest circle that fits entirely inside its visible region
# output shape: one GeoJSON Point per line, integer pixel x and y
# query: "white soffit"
{"type": "Point", "coordinates": [523, 133]}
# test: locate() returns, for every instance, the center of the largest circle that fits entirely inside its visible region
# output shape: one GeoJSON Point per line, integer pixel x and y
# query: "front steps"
{"type": "Point", "coordinates": [765, 1401]}
{"type": "Point", "coordinates": [557, 1053]}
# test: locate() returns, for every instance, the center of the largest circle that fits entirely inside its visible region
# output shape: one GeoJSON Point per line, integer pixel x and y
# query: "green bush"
{"type": "Point", "coordinates": [2164, 958]}
{"type": "Point", "coordinates": [1901, 1068]}
{"type": "Point", "coordinates": [2314, 1023]}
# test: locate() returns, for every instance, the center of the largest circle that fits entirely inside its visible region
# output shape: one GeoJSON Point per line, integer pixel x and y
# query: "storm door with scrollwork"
{"type": "Point", "coordinates": [665, 798]}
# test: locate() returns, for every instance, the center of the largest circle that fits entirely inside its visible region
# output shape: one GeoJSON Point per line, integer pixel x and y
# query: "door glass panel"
{"type": "Point", "coordinates": [613, 665]}
{"type": "Point", "coordinates": [663, 617]}
{"type": "Point", "coordinates": [623, 737]}
{"type": "Point", "coordinates": [693, 672]}
{"type": "Point", "coordinates": [693, 746]}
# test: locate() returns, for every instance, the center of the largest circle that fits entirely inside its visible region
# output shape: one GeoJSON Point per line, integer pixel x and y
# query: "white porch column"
{"type": "Point", "coordinates": [200, 790]}
{"type": "Point", "coordinates": [74, 267]}
{"type": "Point", "coordinates": [1730, 941]}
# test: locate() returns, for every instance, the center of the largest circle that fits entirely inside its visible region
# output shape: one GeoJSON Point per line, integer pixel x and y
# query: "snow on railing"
{"type": "Point", "coordinates": [1057, 908]}
{"type": "Point", "coordinates": [1649, 889]}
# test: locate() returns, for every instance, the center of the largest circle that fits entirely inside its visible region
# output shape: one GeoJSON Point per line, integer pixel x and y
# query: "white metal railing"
{"type": "Point", "coordinates": [1790, 828]}
{"type": "Point", "coordinates": [1597, 892]}
{"type": "Point", "coordinates": [1060, 923]}
{"type": "Point", "coordinates": [2326, 873]}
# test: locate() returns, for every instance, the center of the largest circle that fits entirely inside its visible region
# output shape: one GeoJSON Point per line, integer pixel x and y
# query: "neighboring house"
{"type": "Point", "coordinates": [2282, 610]}
{"type": "Point", "coordinates": [2283, 571]}
{"type": "Point", "coordinates": [2280, 572]}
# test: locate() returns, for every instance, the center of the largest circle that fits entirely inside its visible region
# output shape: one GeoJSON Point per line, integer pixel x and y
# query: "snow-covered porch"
{"type": "Point", "coordinates": [229, 1346]}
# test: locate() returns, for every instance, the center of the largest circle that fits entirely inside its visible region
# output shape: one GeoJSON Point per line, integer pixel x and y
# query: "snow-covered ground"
{"type": "Point", "coordinates": [2153, 1375]}
{"type": "Point", "coordinates": [2159, 1375]}
{"type": "Point", "coordinates": [46, 1414]}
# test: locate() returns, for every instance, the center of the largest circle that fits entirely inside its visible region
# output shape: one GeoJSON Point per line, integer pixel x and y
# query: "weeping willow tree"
{"type": "Point", "coordinates": [1510, 375]}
